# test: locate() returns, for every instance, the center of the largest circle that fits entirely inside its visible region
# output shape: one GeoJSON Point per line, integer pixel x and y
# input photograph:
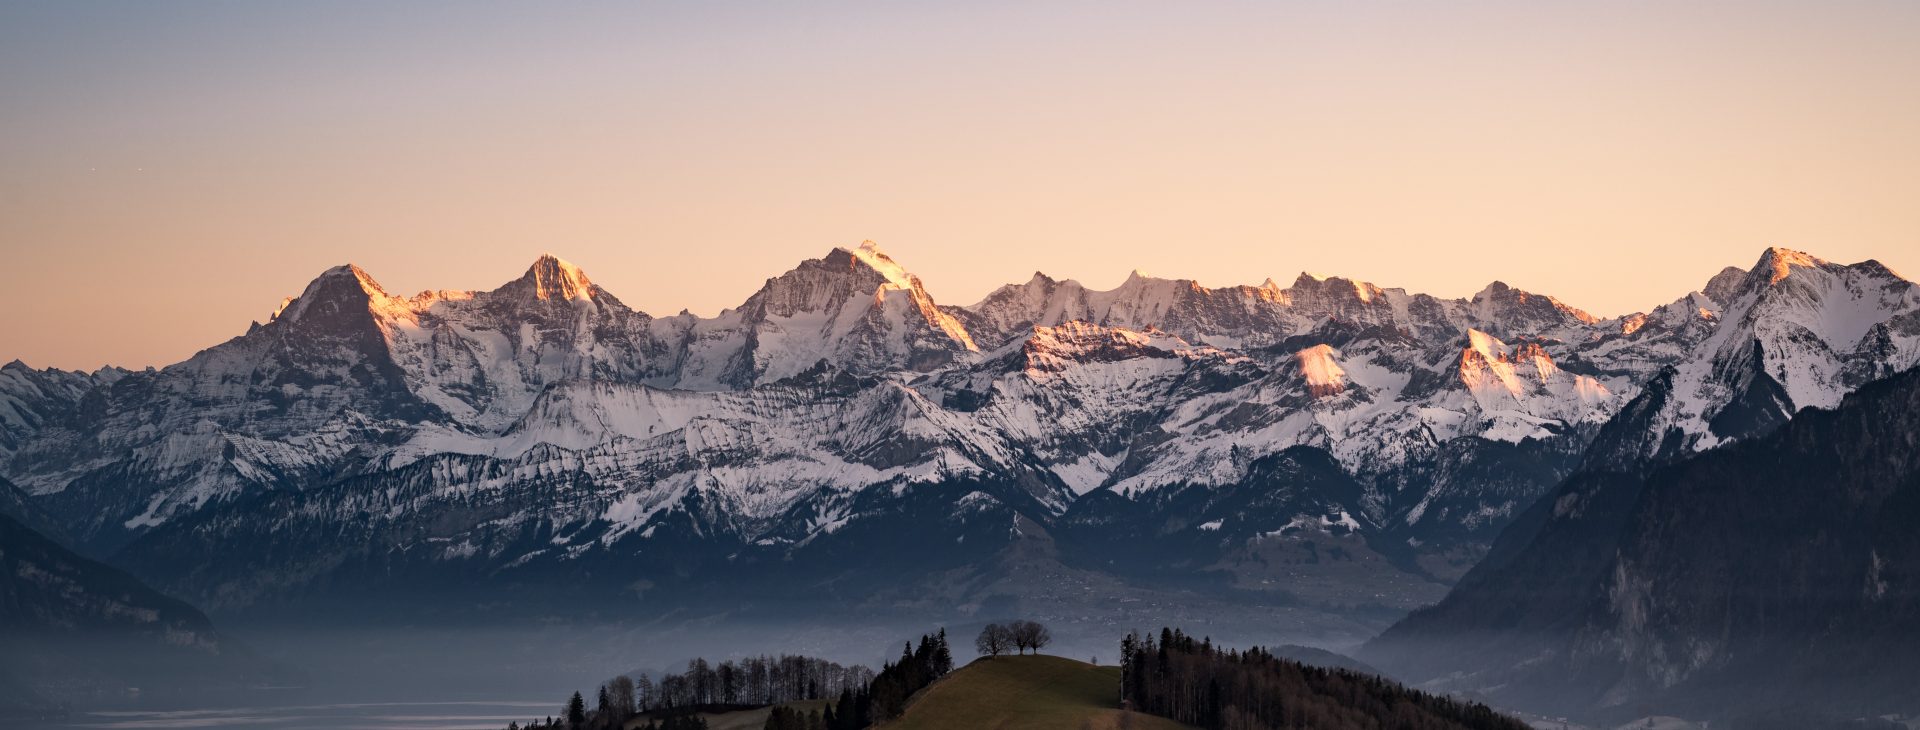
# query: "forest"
{"type": "Point", "coordinates": [860, 697]}
{"type": "Point", "coordinates": [1174, 675]}
{"type": "Point", "coordinates": [1195, 682]}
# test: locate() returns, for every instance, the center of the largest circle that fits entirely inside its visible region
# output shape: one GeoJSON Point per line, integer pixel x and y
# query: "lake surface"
{"type": "Point", "coordinates": [361, 716]}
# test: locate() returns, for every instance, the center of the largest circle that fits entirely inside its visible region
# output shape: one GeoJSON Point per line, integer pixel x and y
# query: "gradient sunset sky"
{"type": "Point", "coordinates": [170, 170]}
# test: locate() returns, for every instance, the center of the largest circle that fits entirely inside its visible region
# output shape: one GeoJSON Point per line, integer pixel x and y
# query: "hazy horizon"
{"type": "Point", "coordinates": [175, 170]}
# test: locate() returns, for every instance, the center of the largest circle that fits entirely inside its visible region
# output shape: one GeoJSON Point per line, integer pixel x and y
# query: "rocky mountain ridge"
{"type": "Point", "coordinates": [543, 427]}
{"type": "Point", "coordinates": [1775, 574]}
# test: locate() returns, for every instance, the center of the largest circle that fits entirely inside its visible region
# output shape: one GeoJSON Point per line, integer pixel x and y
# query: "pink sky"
{"type": "Point", "coordinates": [170, 172]}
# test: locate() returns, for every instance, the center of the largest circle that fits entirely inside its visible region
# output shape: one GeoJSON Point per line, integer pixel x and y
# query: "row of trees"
{"type": "Point", "coordinates": [750, 682]}
{"type": "Point", "coordinates": [1194, 682]}
{"type": "Point", "coordinates": [882, 699]}
{"type": "Point", "coordinates": [851, 712]}
{"type": "Point", "coordinates": [1016, 636]}
{"type": "Point", "coordinates": [862, 697]}
{"type": "Point", "coordinates": [755, 681]}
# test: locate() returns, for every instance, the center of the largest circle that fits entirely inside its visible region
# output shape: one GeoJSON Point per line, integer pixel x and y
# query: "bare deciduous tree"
{"type": "Point", "coordinates": [994, 640]}
{"type": "Point", "coordinates": [1029, 635]}
{"type": "Point", "coordinates": [621, 700]}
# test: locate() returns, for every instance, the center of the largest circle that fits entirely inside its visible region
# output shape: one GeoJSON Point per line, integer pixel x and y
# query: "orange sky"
{"type": "Point", "coordinates": [169, 171]}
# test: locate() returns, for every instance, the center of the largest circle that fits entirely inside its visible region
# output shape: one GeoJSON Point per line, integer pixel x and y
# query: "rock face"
{"type": "Point", "coordinates": [1777, 573]}
{"type": "Point", "coordinates": [1331, 443]}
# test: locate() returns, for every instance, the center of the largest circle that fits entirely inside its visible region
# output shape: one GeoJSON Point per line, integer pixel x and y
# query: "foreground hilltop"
{"type": "Point", "coordinates": [1026, 692]}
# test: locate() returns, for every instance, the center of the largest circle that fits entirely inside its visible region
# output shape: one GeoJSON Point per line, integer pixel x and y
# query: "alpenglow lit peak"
{"type": "Point", "coordinates": [1324, 375]}
{"type": "Point", "coordinates": [552, 277]}
{"type": "Point", "coordinates": [1779, 262]}
{"type": "Point", "coordinates": [869, 253]}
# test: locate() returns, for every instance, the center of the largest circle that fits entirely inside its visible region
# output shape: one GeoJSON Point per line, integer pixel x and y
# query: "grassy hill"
{"type": "Point", "coordinates": [1009, 693]}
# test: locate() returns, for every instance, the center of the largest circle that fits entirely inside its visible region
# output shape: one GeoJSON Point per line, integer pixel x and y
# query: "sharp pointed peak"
{"type": "Point", "coordinates": [863, 249]}
{"type": "Point", "coordinates": [1778, 262]}
{"type": "Point", "coordinates": [1774, 254]}
{"type": "Point", "coordinates": [343, 284]}
{"type": "Point", "coordinates": [1493, 289]}
{"type": "Point", "coordinates": [551, 277]}
{"type": "Point", "coordinates": [349, 271]}
{"type": "Point", "coordinates": [548, 259]}
{"type": "Point", "coordinates": [868, 254]}
{"type": "Point", "coordinates": [346, 269]}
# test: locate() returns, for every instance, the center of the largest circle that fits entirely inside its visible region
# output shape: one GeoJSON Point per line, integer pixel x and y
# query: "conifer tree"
{"type": "Point", "coordinates": [576, 711]}
{"type": "Point", "coordinates": [942, 655]}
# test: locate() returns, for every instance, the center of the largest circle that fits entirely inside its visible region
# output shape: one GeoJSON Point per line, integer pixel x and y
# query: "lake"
{"type": "Point", "coordinates": [360, 716]}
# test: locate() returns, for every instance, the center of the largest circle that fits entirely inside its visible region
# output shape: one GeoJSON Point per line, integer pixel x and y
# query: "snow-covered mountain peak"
{"type": "Point", "coordinates": [869, 254]}
{"type": "Point", "coordinates": [854, 309]}
{"type": "Point", "coordinates": [347, 274]}
{"type": "Point", "coordinates": [1724, 287]}
{"type": "Point", "coordinates": [1778, 263]}
{"type": "Point", "coordinates": [1795, 332]}
{"type": "Point", "coordinates": [345, 288]}
{"type": "Point", "coordinates": [545, 405]}
{"type": "Point", "coordinates": [553, 278]}
{"type": "Point", "coordinates": [1320, 366]}
{"type": "Point", "coordinates": [1838, 303]}
{"type": "Point", "coordinates": [1310, 287]}
{"type": "Point", "coordinates": [1500, 303]}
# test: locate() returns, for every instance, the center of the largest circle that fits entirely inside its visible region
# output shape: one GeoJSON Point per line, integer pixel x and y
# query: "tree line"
{"type": "Point", "coordinates": [751, 682]}
{"type": "Point", "coordinates": [754, 681]}
{"type": "Point", "coordinates": [1192, 681]}
{"type": "Point", "coordinates": [882, 699]}
{"type": "Point", "coordinates": [860, 696]}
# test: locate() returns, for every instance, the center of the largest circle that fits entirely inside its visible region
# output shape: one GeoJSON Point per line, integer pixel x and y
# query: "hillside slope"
{"type": "Point", "coordinates": [1776, 574]}
{"type": "Point", "coordinates": [1025, 692]}
{"type": "Point", "coordinates": [73, 630]}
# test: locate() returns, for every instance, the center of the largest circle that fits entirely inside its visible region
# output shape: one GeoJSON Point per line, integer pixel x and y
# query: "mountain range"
{"type": "Point", "coordinates": [1331, 453]}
